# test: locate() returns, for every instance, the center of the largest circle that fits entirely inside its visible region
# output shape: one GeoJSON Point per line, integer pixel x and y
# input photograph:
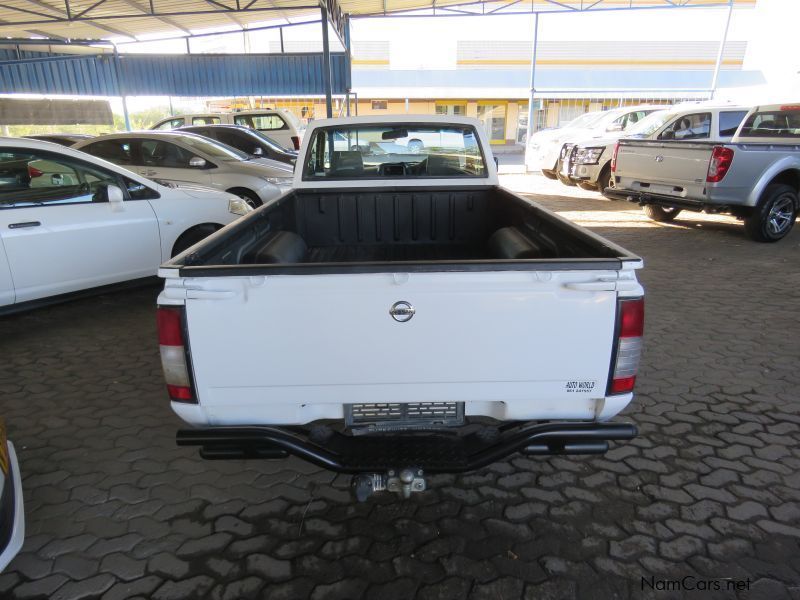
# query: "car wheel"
{"type": "Point", "coordinates": [549, 174]}
{"type": "Point", "coordinates": [606, 180]}
{"type": "Point", "coordinates": [662, 214]}
{"type": "Point", "coordinates": [774, 215]}
{"type": "Point", "coordinates": [191, 236]}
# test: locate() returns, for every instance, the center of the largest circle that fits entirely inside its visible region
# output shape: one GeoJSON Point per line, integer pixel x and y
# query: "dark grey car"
{"type": "Point", "coordinates": [249, 141]}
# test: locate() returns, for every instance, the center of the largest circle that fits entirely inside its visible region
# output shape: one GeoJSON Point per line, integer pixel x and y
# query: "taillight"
{"type": "Point", "coordinates": [614, 158]}
{"type": "Point", "coordinates": [721, 159]}
{"type": "Point", "coordinates": [34, 172]}
{"type": "Point", "coordinates": [629, 346]}
{"type": "Point", "coordinates": [296, 142]}
{"type": "Point", "coordinates": [173, 354]}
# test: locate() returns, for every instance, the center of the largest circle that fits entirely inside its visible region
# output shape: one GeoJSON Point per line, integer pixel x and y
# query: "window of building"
{"type": "Point", "coordinates": [493, 117]}
{"type": "Point", "coordinates": [453, 109]}
{"type": "Point", "coordinates": [380, 104]}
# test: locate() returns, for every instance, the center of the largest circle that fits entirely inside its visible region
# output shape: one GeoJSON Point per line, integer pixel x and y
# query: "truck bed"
{"type": "Point", "coordinates": [404, 229]}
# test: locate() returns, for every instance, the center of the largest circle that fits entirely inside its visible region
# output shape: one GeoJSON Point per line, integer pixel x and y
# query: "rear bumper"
{"type": "Point", "coordinates": [12, 515]}
{"type": "Point", "coordinates": [436, 452]}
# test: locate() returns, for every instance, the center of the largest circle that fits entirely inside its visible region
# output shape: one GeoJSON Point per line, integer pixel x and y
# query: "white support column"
{"type": "Point", "coordinates": [531, 97]}
{"type": "Point", "coordinates": [721, 51]}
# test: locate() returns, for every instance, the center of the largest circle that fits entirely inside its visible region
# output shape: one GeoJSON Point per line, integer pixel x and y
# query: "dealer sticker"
{"type": "Point", "coordinates": [579, 386]}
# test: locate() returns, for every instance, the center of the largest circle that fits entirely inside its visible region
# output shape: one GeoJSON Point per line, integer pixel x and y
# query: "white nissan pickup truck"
{"type": "Point", "coordinates": [755, 176]}
{"type": "Point", "coordinates": [398, 313]}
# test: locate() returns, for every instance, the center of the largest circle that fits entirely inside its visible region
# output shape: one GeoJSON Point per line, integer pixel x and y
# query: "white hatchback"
{"type": "Point", "coordinates": [70, 222]}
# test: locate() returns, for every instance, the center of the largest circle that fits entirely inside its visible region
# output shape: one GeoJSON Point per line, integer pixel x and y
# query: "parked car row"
{"type": "Point", "coordinates": [679, 158]}
{"type": "Point", "coordinates": [754, 176]}
{"type": "Point", "coordinates": [587, 162]}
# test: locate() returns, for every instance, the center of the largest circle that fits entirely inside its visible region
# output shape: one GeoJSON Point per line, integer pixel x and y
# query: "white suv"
{"type": "Point", "coordinates": [278, 123]}
{"type": "Point", "coordinates": [70, 222]}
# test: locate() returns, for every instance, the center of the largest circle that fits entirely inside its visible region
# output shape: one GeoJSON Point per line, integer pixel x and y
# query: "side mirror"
{"type": "Point", "coordinates": [615, 127]}
{"type": "Point", "coordinates": [258, 151]}
{"type": "Point", "coordinates": [197, 163]}
{"type": "Point", "coordinates": [114, 194]}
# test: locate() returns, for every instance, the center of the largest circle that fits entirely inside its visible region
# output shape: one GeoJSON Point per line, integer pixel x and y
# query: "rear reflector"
{"type": "Point", "coordinates": [629, 346]}
{"type": "Point", "coordinates": [721, 159]}
{"type": "Point", "coordinates": [174, 360]}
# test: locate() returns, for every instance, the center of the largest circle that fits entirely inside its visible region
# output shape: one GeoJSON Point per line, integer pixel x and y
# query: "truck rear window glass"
{"type": "Point", "coordinates": [394, 151]}
{"type": "Point", "coordinates": [772, 124]}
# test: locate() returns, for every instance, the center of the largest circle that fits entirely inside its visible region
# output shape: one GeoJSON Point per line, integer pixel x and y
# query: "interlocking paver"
{"type": "Point", "coordinates": [710, 488]}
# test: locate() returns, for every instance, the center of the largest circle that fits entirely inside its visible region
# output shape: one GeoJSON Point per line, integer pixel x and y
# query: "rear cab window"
{"type": "Point", "coordinates": [206, 120]}
{"type": "Point", "coordinates": [773, 123]}
{"type": "Point", "coordinates": [402, 151]}
{"type": "Point", "coordinates": [170, 124]}
{"type": "Point", "coordinates": [271, 122]}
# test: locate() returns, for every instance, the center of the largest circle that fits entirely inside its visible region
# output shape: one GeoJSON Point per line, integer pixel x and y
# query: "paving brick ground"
{"type": "Point", "coordinates": [710, 489]}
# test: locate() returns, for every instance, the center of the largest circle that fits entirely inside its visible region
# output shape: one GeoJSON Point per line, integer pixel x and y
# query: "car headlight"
{"type": "Point", "coordinates": [279, 181]}
{"type": "Point", "coordinates": [238, 206]}
{"type": "Point", "coordinates": [589, 156]}
{"type": "Point", "coordinates": [565, 150]}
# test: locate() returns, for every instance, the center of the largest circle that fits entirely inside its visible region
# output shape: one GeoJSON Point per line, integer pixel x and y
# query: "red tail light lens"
{"type": "Point", "coordinates": [34, 172]}
{"type": "Point", "coordinates": [296, 142]}
{"type": "Point", "coordinates": [629, 346]}
{"type": "Point", "coordinates": [174, 359]}
{"type": "Point", "coordinates": [614, 158]}
{"type": "Point", "coordinates": [721, 159]}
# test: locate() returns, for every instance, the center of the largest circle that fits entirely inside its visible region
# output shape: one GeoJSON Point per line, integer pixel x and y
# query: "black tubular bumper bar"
{"type": "Point", "coordinates": [643, 198]}
{"type": "Point", "coordinates": [434, 451]}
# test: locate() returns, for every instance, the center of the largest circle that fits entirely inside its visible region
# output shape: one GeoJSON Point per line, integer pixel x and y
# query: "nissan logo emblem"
{"type": "Point", "coordinates": [402, 311]}
{"type": "Point", "coordinates": [659, 158]}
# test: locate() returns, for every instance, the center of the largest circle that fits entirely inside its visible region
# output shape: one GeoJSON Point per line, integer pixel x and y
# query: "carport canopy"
{"type": "Point", "coordinates": [114, 19]}
{"type": "Point", "coordinates": [66, 21]}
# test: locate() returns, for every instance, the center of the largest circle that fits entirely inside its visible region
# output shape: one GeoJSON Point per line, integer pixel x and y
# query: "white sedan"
{"type": "Point", "coordinates": [70, 222]}
{"type": "Point", "coordinates": [182, 157]}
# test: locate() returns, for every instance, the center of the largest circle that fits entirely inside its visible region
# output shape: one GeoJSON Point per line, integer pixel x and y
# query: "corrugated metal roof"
{"type": "Point", "coordinates": [108, 19]}
{"type": "Point", "coordinates": [171, 75]}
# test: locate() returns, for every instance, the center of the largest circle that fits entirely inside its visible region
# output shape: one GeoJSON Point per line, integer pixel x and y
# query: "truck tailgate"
{"type": "Point", "coordinates": [668, 168]}
{"type": "Point", "coordinates": [295, 348]}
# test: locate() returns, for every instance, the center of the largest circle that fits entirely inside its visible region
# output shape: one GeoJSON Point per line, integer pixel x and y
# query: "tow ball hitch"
{"type": "Point", "coordinates": [403, 482]}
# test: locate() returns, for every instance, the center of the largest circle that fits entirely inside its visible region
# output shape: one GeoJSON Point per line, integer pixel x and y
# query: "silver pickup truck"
{"type": "Point", "coordinates": [755, 177]}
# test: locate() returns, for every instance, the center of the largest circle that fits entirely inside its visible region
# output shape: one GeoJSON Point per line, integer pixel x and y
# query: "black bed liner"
{"type": "Point", "coordinates": [398, 229]}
